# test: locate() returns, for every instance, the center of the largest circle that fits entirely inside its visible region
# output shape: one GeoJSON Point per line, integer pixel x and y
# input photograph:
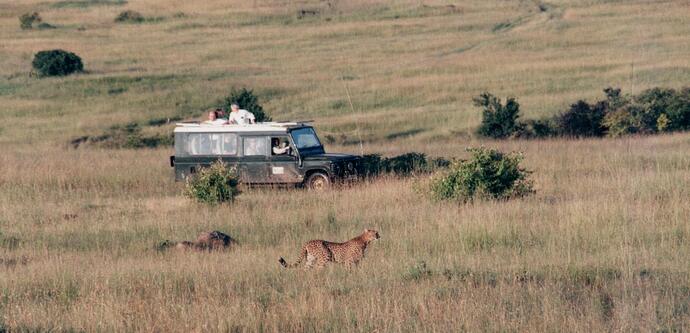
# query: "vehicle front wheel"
{"type": "Point", "coordinates": [318, 181]}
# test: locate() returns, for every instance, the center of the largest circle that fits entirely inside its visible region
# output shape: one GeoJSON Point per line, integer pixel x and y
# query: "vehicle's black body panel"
{"type": "Point", "coordinates": [276, 169]}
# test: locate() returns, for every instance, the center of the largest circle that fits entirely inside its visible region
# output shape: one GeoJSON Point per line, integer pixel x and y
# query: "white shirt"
{"type": "Point", "coordinates": [281, 150]}
{"type": "Point", "coordinates": [241, 117]}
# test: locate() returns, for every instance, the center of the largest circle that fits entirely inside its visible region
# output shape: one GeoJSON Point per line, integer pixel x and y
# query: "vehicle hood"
{"type": "Point", "coordinates": [330, 157]}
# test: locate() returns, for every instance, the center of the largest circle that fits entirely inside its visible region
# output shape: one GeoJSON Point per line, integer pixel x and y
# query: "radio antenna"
{"type": "Point", "coordinates": [352, 108]}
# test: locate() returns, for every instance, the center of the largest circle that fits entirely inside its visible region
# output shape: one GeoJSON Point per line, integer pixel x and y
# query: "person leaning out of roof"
{"type": "Point", "coordinates": [240, 116]}
{"type": "Point", "coordinates": [214, 118]}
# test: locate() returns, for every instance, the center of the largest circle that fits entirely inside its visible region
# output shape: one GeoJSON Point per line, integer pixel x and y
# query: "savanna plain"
{"type": "Point", "coordinates": [603, 244]}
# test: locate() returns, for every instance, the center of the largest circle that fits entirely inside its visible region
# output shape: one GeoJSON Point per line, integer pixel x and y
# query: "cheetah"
{"type": "Point", "coordinates": [319, 252]}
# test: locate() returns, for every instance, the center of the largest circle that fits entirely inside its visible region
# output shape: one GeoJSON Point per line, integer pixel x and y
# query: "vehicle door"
{"type": "Point", "coordinates": [253, 166]}
{"type": "Point", "coordinates": [283, 162]}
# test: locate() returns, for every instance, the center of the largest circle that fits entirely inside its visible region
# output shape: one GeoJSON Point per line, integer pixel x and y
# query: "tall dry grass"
{"type": "Point", "coordinates": [602, 246]}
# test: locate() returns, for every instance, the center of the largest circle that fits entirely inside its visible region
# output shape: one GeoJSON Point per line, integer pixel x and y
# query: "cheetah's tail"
{"type": "Point", "coordinates": [302, 256]}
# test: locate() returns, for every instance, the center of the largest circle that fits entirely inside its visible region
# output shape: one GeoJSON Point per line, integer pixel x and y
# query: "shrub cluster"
{"type": "Point", "coordinates": [248, 101]}
{"type": "Point", "coordinates": [56, 63]}
{"type": "Point", "coordinates": [214, 184]}
{"type": "Point", "coordinates": [652, 111]}
{"type": "Point", "coordinates": [130, 16]}
{"type": "Point", "coordinates": [401, 165]}
{"type": "Point", "coordinates": [488, 174]}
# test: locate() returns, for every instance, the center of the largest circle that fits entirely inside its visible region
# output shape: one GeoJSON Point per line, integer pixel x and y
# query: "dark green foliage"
{"type": "Point", "coordinates": [27, 20]}
{"type": "Point", "coordinates": [45, 26]}
{"type": "Point", "coordinates": [582, 120]}
{"type": "Point", "coordinates": [87, 3]}
{"type": "Point", "coordinates": [371, 165]}
{"type": "Point", "coordinates": [214, 184]}
{"type": "Point", "coordinates": [652, 111]}
{"type": "Point", "coordinates": [248, 101]}
{"type": "Point", "coordinates": [56, 63]}
{"type": "Point", "coordinates": [675, 105]}
{"type": "Point", "coordinates": [498, 120]}
{"type": "Point", "coordinates": [401, 165]}
{"type": "Point", "coordinates": [406, 164]}
{"type": "Point", "coordinates": [488, 174]}
{"type": "Point", "coordinates": [535, 128]}
{"type": "Point", "coordinates": [130, 16]}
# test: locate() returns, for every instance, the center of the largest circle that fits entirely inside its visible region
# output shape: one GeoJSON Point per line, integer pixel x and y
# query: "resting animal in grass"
{"type": "Point", "coordinates": [320, 252]}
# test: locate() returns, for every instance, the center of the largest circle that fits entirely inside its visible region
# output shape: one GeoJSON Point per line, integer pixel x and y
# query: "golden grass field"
{"type": "Point", "coordinates": [603, 245]}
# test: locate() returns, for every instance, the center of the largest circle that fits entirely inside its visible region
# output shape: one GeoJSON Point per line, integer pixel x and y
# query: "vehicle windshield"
{"type": "Point", "coordinates": [305, 138]}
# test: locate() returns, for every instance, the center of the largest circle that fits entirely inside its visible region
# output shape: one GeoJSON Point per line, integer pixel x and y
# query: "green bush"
{"type": "Point", "coordinates": [582, 120]}
{"type": "Point", "coordinates": [673, 104]}
{"type": "Point", "coordinates": [372, 165]}
{"type": "Point", "coordinates": [652, 111]}
{"type": "Point", "coordinates": [401, 165]}
{"type": "Point", "coordinates": [248, 101]}
{"type": "Point", "coordinates": [129, 16]}
{"type": "Point", "coordinates": [406, 164]}
{"type": "Point", "coordinates": [488, 174]}
{"type": "Point", "coordinates": [56, 63]}
{"type": "Point", "coordinates": [498, 120]}
{"type": "Point", "coordinates": [27, 20]}
{"type": "Point", "coordinates": [214, 184]}
{"type": "Point", "coordinates": [535, 128]}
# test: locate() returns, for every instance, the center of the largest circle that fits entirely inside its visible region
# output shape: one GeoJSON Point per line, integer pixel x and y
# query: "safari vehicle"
{"type": "Point", "coordinates": [298, 157]}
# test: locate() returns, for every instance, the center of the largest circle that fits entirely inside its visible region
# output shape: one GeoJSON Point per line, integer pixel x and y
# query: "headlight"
{"type": "Point", "coordinates": [350, 166]}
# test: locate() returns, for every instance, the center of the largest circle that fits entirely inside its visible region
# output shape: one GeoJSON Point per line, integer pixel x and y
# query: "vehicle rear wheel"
{"type": "Point", "coordinates": [318, 181]}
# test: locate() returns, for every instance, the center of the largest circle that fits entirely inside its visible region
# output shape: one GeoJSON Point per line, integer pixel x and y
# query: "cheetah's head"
{"type": "Point", "coordinates": [371, 235]}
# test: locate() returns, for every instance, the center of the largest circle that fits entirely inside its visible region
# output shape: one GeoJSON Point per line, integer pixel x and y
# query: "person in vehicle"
{"type": "Point", "coordinates": [220, 113]}
{"type": "Point", "coordinates": [279, 148]}
{"type": "Point", "coordinates": [213, 119]}
{"type": "Point", "coordinates": [240, 116]}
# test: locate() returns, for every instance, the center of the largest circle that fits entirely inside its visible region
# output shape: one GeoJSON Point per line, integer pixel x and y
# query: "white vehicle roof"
{"type": "Point", "coordinates": [260, 127]}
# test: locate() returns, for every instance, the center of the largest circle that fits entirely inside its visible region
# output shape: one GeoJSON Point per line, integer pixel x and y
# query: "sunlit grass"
{"type": "Point", "coordinates": [601, 246]}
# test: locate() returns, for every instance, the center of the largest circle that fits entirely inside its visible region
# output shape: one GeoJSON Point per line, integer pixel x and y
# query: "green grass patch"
{"type": "Point", "coordinates": [87, 3]}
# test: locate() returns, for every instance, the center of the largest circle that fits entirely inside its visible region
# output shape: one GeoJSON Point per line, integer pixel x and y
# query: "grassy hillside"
{"type": "Point", "coordinates": [410, 67]}
{"type": "Point", "coordinates": [601, 246]}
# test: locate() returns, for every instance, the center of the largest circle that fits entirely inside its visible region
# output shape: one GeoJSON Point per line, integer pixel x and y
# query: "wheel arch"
{"type": "Point", "coordinates": [315, 170]}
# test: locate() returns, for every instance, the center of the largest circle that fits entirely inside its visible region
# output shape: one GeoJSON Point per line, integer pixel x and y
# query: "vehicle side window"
{"type": "Point", "coordinates": [256, 146]}
{"type": "Point", "coordinates": [229, 144]}
{"type": "Point", "coordinates": [212, 144]}
{"type": "Point", "coordinates": [280, 146]}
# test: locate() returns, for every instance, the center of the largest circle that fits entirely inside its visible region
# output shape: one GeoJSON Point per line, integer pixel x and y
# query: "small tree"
{"type": "Point", "coordinates": [248, 101]}
{"type": "Point", "coordinates": [498, 120]}
{"type": "Point", "coordinates": [488, 174]}
{"type": "Point", "coordinates": [56, 63]}
{"type": "Point", "coordinates": [214, 184]}
{"type": "Point", "coordinates": [27, 20]}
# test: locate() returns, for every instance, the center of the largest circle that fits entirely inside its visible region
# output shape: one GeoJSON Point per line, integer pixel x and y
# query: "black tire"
{"type": "Point", "coordinates": [318, 181]}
